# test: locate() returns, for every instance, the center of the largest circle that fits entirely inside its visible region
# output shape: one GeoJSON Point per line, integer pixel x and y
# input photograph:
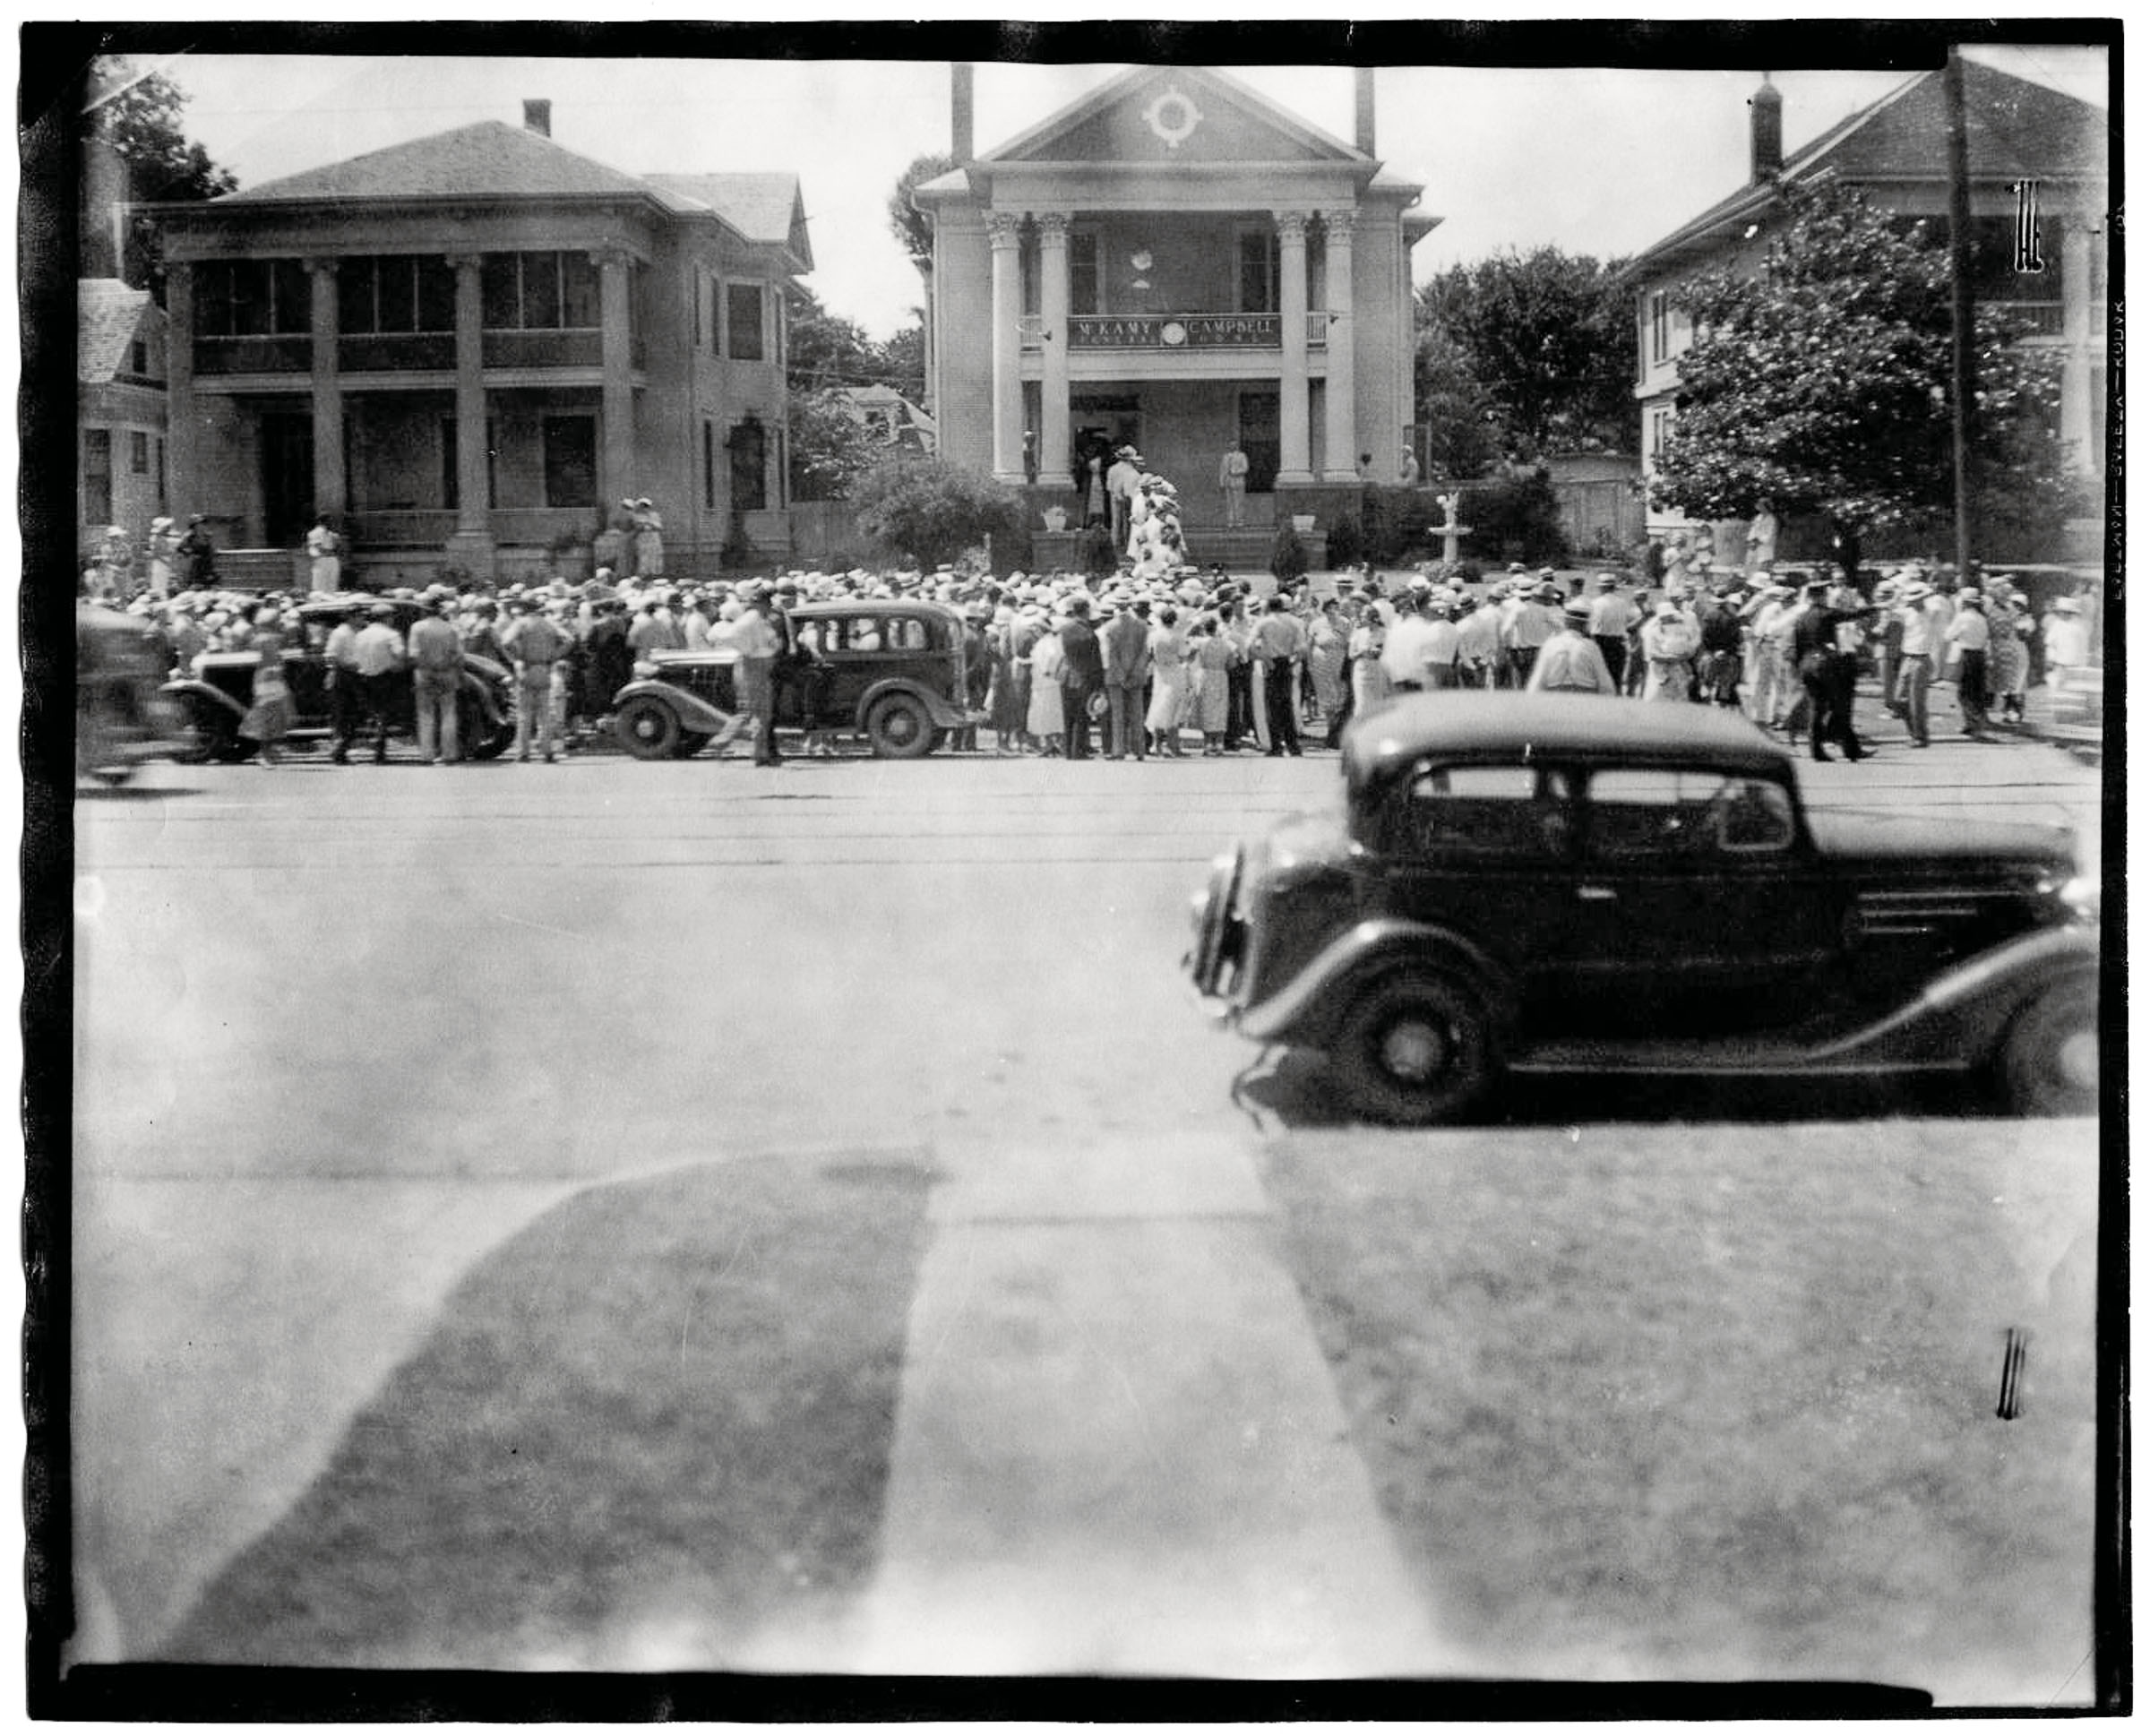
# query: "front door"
{"type": "Point", "coordinates": [1258, 438]}
{"type": "Point", "coordinates": [287, 478]}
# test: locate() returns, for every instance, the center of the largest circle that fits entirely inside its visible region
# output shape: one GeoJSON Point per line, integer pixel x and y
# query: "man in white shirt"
{"type": "Point", "coordinates": [1402, 655]}
{"type": "Point", "coordinates": [1612, 616]}
{"type": "Point", "coordinates": [1570, 661]}
{"type": "Point", "coordinates": [1914, 659]}
{"type": "Point", "coordinates": [1971, 637]}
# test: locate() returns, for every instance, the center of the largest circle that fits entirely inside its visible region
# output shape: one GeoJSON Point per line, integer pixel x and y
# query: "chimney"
{"type": "Point", "coordinates": [538, 116]}
{"type": "Point", "coordinates": [1363, 88]}
{"type": "Point", "coordinates": [959, 129]}
{"type": "Point", "coordinates": [1768, 130]}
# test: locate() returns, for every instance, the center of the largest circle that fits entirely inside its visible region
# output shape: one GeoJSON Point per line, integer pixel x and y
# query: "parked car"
{"type": "Point", "coordinates": [898, 679]}
{"type": "Point", "coordinates": [1524, 883]}
{"type": "Point", "coordinates": [218, 690]}
{"type": "Point", "coordinates": [122, 715]}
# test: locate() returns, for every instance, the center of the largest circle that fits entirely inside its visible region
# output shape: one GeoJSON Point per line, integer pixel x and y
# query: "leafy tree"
{"type": "Point", "coordinates": [1462, 423]}
{"type": "Point", "coordinates": [902, 360]}
{"type": "Point", "coordinates": [934, 511]}
{"type": "Point", "coordinates": [1514, 515]}
{"type": "Point", "coordinates": [143, 123]}
{"type": "Point", "coordinates": [907, 222]}
{"type": "Point", "coordinates": [822, 348]}
{"type": "Point", "coordinates": [1548, 337]}
{"type": "Point", "coordinates": [829, 445]}
{"type": "Point", "coordinates": [1819, 383]}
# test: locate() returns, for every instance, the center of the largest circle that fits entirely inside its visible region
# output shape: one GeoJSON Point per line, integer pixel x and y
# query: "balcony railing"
{"type": "Point", "coordinates": [382, 352]}
{"type": "Point", "coordinates": [283, 355]}
{"type": "Point", "coordinates": [570, 348]}
{"type": "Point", "coordinates": [526, 526]}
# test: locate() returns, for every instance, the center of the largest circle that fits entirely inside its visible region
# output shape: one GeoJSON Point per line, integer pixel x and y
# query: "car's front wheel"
{"type": "Point", "coordinates": [647, 728]}
{"type": "Point", "coordinates": [899, 728]}
{"type": "Point", "coordinates": [2048, 1060]}
{"type": "Point", "coordinates": [1416, 1049]}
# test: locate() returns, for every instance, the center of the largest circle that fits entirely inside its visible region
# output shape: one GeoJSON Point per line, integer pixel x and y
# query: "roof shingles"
{"type": "Point", "coordinates": [108, 316]}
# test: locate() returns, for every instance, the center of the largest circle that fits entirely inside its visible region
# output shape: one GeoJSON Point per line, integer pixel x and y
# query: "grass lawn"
{"type": "Point", "coordinates": [652, 1430]}
{"type": "Point", "coordinates": [1641, 1403]}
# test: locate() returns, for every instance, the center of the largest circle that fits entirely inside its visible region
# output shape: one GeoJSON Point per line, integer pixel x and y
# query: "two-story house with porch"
{"type": "Point", "coordinates": [2018, 133]}
{"type": "Point", "coordinates": [120, 412]}
{"type": "Point", "coordinates": [472, 346]}
{"type": "Point", "coordinates": [1176, 262]}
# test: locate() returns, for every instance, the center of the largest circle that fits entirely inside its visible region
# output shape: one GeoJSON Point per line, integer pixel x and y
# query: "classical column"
{"type": "Point", "coordinates": [1052, 310]}
{"type": "Point", "coordinates": [1293, 463]}
{"type": "Point", "coordinates": [1005, 229]}
{"type": "Point", "coordinates": [182, 477]}
{"type": "Point", "coordinates": [471, 545]}
{"type": "Point", "coordinates": [619, 481]}
{"type": "Point", "coordinates": [1340, 432]}
{"type": "Point", "coordinates": [328, 391]}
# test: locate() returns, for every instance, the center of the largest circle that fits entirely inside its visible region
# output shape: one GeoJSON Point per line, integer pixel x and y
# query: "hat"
{"type": "Point", "coordinates": [1549, 592]}
{"type": "Point", "coordinates": [1577, 609]}
{"type": "Point", "coordinates": [1547, 573]}
{"type": "Point", "coordinates": [161, 524]}
{"type": "Point", "coordinates": [1608, 581]}
{"type": "Point", "coordinates": [382, 611]}
{"type": "Point", "coordinates": [197, 518]}
{"type": "Point", "coordinates": [1915, 590]}
{"type": "Point", "coordinates": [2067, 605]}
{"type": "Point", "coordinates": [1972, 598]}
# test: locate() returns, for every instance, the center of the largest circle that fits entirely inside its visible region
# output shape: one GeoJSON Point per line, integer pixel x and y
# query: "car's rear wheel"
{"type": "Point", "coordinates": [1418, 1048]}
{"type": "Point", "coordinates": [647, 728]}
{"type": "Point", "coordinates": [2049, 1059]}
{"type": "Point", "coordinates": [899, 728]}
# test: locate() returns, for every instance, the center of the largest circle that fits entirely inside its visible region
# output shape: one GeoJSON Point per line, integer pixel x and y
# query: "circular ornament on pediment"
{"type": "Point", "coordinates": [1173, 333]}
{"type": "Point", "coordinates": [1173, 116]}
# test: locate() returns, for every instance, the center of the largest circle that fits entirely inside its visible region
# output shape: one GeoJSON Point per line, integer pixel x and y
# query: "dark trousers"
{"type": "Point", "coordinates": [377, 694]}
{"type": "Point", "coordinates": [346, 709]}
{"type": "Point", "coordinates": [1075, 702]}
{"type": "Point", "coordinates": [1970, 694]}
{"type": "Point", "coordinates": [1282, 706]}
{"type": "Point", "coordinates": [1239, 704]}
{"type": "Point", "coordinates": [1124, 733]}
{"type": "Point", "coordinates": [1614, 651]}
{"type": "Point", "coordinates": [1830, 682]}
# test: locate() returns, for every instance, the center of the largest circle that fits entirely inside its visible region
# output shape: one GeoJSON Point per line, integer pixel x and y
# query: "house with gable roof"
{"type": "Point", "coordinates": [2018, 135]}
{"type": "Point", "coordinates": [1173, 262]}
{"type": "Point", "coordinates": [120, 411]}
{"type": "Point", "coordinates": [472, 346]}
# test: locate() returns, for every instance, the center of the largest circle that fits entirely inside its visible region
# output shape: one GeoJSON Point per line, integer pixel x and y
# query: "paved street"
{"type": "Point", "coordinates": [344, 1034]}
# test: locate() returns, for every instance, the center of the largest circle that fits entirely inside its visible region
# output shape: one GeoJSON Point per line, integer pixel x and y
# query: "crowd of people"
{"type": "Point", "coordinates": [1149, 662]}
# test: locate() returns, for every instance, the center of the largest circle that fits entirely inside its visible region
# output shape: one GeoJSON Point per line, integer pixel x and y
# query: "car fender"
{"type": "Point", "coordinates": [694, 715]}
{"type": "Point", "coordinates": [1958, 1019]}
{"type": "Point", "coordinates": [1305, 1009]}
{"type": "Point", "coordinates": [189, 688]}
{"type": "Point", "coordinates": [484, 689]}
{"type": "Point", "coordinates": [944, 713]}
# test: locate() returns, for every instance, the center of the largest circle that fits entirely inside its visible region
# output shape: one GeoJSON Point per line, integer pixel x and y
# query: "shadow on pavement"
{"type": "Point", "coordinates": [1297, 1087]}
{"type": "Point", "coordinates": [86, 792]}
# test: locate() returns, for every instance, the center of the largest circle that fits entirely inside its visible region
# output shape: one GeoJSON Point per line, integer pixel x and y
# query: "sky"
{"type": "Point", "coordinates": [1598, 162]}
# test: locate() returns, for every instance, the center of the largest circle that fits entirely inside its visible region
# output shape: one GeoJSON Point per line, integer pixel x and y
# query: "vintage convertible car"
{"type": "Point", "coordinates": [899, 678]}
{"type": "Point", "coordinates": [1556, 883]}
{"type": "Point", "coordinates": [122, 715]}
{"type": "Point", "coordinates": [219, 689]}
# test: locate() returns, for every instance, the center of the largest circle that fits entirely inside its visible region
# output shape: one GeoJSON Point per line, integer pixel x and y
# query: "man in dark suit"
{"type": "Point", "coordinates": [1126, 641]}
{"type": "Point", "coordinates": [1083, 675]}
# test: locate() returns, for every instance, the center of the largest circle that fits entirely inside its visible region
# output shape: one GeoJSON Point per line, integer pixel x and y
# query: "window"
{"type": "Point", "coordinates": [1661, 429]}
{"type": "Point", "coordinates": [138, 358]}
{"type": "Point", "coordinates": [1638, 815]}
{"type": "Point", "coordinates": [251, 298]}
{"type": "Point", "coordinates": [748, 445]}
{"type": "Point", "coordinates": [1661, 325]}
{"type": "Point", "coordinates": [1082, 272]}
{"type": "Point", "coordinates": [541, 292]}
{"type": "Point", "coordinates": [1513, 811]}
{"type": "Point", "coordinates": [96, 476]}
{"type": "Point", "coordinates": [709, 464]}
{"type": "Point", "coordinates": [401, 292]}
{"type": "Point", "coordinates": [570, 460]}
{"type": "Point", "coordinates": [742, 335]}
{"type": "Point", "coordinates": [138, 453]}
{"type": "Point", "coordinates": [452, 477]}
{"type": "Point", "coordinates": [1258, 257]}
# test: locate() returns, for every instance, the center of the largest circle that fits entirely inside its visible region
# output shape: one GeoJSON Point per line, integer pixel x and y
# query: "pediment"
{"type": "Point", "coordinates": [1158, 117]}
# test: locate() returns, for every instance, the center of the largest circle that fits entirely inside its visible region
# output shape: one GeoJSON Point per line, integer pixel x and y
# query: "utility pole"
{"type": "Point", "coordinates": [1962, 369]}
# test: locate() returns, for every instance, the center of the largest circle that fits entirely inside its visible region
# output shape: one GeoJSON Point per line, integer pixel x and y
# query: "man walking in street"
{"type": "Point", "coordinates": [1280, 643]}
{"type": "Point", "coordinates": [1083, 675]}
{"type": "Point", "coordinates": [1612, 616]}
{"type": "Point", "coordinates": [1125, 638]}
{"type": "Point", "coordinates": [1971, 636]}
{"type": "Point", "coordinates": [347, 699]}
{"type": "Point", "coordinates": [761, 643]}
{"type": "Point", "coordinates": [1916, 649]}
{"type": "Point", "coordinates": [378, 655]}
{"type": "Point", "coordinates": [533, 644]}
{"type": "Point", "coordinates": [437, 659]}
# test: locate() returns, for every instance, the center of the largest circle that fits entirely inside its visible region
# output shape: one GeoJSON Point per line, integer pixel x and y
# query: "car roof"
{"type": "Point", "coordinates": [1585, 727]}
{"type": "Point", "coordinates": [918, 605]}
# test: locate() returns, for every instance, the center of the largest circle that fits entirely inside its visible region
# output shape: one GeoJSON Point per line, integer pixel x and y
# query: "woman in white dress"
{"type": "Point", "coordinates": [1168, 682]}
{"type": "Point", "coordinates": [1048, 720]}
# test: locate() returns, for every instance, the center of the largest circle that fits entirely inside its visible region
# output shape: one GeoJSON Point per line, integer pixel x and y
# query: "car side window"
{"type": "Point", "coordinates": [1516, 812]}
{"type": "Point", "coordinates": [1638, 815]}
{"type": "Point", "coordinates": [906, 634]}
{"type": "Point", "coordinates": [864, 633]}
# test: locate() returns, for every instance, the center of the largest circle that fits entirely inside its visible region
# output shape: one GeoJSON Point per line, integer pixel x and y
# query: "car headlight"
{"type": "Point", "coordinates": [2081, 895]}
{"type": "Point", "coordinates": [645, 670]}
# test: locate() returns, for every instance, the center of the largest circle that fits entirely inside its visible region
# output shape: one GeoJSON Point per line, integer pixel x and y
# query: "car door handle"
{"type": "Point", "coordinates": [1596, 894]}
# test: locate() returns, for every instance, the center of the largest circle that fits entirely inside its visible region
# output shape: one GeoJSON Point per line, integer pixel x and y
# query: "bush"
{"type": "Point", "coordinates": [933, 512]}
{"type": "Point", "coordinates": [1287, 554]}
{"type": "Point", "coordinates": [1094, 554]}
{"type": "Point", "coordinates": [1517, 517]}
{"type": "Point", "coordinates": [1346, 544]}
